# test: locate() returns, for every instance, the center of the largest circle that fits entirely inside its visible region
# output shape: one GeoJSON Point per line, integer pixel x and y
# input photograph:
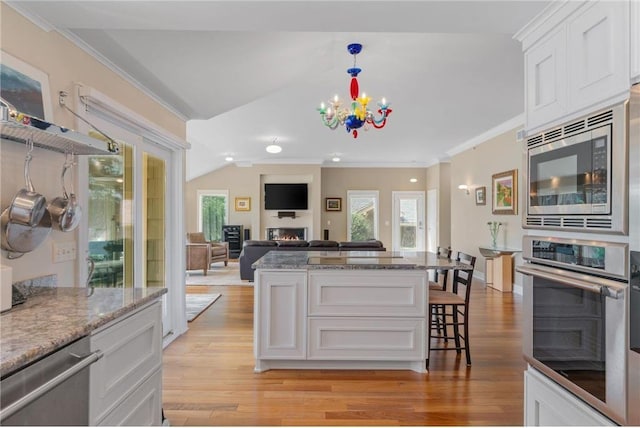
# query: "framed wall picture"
{"type": "Point", "coordinates": [243, 203]}
{"type": "Point", "coordinates": [25, 87]}
{"type": "Point", "coordinates": [333, 204]}
{"type": "Point", "coordinates": [481, 195]}
{"type": "Point", "coordinates": [505, 192]}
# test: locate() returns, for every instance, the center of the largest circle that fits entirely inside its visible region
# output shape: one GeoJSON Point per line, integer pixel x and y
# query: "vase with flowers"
{"type": "Point", "coordinates": [494, 228]}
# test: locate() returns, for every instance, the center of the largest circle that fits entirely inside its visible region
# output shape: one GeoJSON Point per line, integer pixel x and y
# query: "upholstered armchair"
{"type": "Point", "coordinates": [201, 253]}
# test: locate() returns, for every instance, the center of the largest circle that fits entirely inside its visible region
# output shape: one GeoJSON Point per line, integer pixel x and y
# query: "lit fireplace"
{"type": "Point", "coordinates": [286, 233]}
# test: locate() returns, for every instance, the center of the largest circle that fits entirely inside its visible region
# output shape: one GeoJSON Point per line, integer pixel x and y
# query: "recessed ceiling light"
{"type": "Point", "coordinates": [228, 158]}
{"type": "Point", "coordinates": [413, 180]}
{"type": "Point", "coordinates": [335, 159]}
{"type": "Point", "coordinates": [274, 148]}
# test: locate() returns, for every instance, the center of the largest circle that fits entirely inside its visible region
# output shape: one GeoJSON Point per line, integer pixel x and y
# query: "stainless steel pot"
{"type": "Point", "coordinates": [65, 211]}
{"type": "Point", "coordinates": [28, 206]}
{"type": "Point", "coordinates": [19, 239]}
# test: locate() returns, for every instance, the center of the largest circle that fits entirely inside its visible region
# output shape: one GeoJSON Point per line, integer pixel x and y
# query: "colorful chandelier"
{"type": "Point", "coordinates": [357, 114]}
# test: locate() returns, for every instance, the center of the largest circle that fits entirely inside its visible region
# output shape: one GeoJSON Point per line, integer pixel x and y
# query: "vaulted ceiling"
{"type": "Point", "coordinates": [244, 73]}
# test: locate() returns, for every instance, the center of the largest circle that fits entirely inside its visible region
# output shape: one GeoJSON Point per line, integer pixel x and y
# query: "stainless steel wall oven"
{"type": "Point", "coordinates": [575, 317]}
{"type": "Point", "coordinates": [577, 175]}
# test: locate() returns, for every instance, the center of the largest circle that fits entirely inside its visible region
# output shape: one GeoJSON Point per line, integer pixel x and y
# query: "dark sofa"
{"type": "Point", "coordinates": [252, 250]}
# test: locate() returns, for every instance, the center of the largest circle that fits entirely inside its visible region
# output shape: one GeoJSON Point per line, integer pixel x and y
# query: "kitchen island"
{"type": "Point", "coordinates": [333, 310]}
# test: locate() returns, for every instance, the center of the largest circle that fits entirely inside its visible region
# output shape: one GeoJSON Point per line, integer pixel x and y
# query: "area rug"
{"type": "Point", "coordinates": [218, 274]}
{"type": "Point", "coordinates": [197, 303]}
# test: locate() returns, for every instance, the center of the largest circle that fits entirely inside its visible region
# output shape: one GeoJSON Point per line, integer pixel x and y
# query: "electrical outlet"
{"type": "Point", "coordinates": [64, 251]}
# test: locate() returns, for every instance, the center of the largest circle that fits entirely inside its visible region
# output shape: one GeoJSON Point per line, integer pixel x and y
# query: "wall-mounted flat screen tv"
{"type": "Point", "coordinates": [285, 196]}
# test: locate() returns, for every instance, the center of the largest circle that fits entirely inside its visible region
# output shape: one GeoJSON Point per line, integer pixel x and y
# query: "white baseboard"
{"type": "Point", "coordinates": [479, 276]}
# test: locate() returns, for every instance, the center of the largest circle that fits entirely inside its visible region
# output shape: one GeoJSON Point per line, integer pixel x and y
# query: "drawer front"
{"type": "Point", "coordinates": [132, 351]}
{"type": "Point", "coordinates": [394, 339]}
{"type": "Point", "coordinates": [367, 293]}
{"type": "Point", "coordinates": [141, 408]}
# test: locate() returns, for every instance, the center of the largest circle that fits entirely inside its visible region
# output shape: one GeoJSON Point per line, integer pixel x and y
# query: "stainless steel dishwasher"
{"type": "Point", "coordinates": [52, 391]}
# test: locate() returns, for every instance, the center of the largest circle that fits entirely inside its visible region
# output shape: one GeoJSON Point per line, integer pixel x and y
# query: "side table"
{"type": "Point", "coordinates": [498, 267]}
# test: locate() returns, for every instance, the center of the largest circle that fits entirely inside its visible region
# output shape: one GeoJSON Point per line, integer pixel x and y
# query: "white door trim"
{"type": "Point", "coordinates": [103, 116]}
{"type": "Point", "coordinates": [396, 195]}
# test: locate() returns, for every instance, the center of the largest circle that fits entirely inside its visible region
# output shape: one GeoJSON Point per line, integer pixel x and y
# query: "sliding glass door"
{"type": "Point", "coordinates": [127, 215]}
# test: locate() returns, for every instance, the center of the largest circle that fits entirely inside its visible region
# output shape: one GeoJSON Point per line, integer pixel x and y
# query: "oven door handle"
{"type": "Point", "coordinates": [605, 290]}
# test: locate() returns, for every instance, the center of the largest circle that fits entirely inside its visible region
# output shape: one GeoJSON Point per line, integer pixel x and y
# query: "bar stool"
{"type": "Point", "coordinates": [455, 310]}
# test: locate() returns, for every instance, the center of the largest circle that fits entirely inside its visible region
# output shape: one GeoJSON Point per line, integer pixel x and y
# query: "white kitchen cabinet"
{"type": "Point", "coordinates": [280, 314]}
{"type": "Point", "coordinates": [125, 384]}
{"type": "Point", "coordinates": [367, 293]}
{"type": "Point", "coordinates": [143, 407]}
{"type": "Point", "coordinates": [598, 53]}
{"type": "Point", "coordinates": [367, 315]}
{"type": "Point", "coordinates": [548, 404]}
{"type": "Point", "coordinates": [634, 30]}
{"type": "Point", "coordinates": [577, 60]}
{"type": "Point", "coordinates": [546, 76]}
{"type": "Point", "coordinates": [357, 338]}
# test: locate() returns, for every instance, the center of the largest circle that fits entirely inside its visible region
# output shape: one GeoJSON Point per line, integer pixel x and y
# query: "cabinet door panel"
{"type": "Point", "coordinates": [141, 408]}
{"type": "Point", "coordinates": [546, 74]}
{"type": "Point", "coordinates": [132, 350]}
{"type": "Point", "coordinates": [389, 339]}
{"type": "Point", "coordinates": [282, 314]}
{"type": "Point", "coordinates": [598, 53]}
{"type": "Point", "coordinates": [367, 293]}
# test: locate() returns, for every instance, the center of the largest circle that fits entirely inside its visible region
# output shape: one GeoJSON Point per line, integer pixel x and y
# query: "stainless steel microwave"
{"type": "Point", "coordinates": [577, 175]}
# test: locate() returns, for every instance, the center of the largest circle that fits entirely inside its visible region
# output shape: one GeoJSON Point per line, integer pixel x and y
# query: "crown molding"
{"type": "Point", "coordinates": [36, 19]}
{"type": "Point", "coordinates": [48, 27]}
{"type": "Point", "coordinates": [491, 133]}
{"type": "Point", "coordinates": [550, 17]}
{"type": "Point", "coordinates": [330, 164]}
{"type": "Point", "coordinates": [120, 72]}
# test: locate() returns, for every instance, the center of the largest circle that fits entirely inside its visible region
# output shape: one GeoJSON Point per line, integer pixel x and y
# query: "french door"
{"type": "Point", "coordinates": [408, 221]}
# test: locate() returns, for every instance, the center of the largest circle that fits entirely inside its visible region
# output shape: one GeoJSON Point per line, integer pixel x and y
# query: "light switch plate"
{"type": "Point", "coordinates": [64, 251]}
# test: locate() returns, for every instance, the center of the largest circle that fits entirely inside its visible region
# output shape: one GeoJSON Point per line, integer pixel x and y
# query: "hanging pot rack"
{"type": "Point", "coordinates": [20, 127]}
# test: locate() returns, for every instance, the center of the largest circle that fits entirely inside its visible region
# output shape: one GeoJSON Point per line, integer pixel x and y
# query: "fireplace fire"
{"type": "Point", "coordinates": [286, 233]}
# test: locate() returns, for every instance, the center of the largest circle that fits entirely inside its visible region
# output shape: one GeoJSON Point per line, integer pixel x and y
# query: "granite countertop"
{"type": "Point", "coordinates": [351, 260]}
{"type": "Point", "coordinates": [56, 316]}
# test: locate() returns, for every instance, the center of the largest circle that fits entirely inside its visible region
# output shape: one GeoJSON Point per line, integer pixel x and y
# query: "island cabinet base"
{"type": "Point", "coordinates": [341, 319]}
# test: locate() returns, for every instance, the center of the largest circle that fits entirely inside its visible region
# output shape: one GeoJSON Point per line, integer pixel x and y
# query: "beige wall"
{"type": "Point", "coordinates": [325, 182]}
{"type": "Point", "coordinates": [474, 167]}
{"type": "Point", "coordinates": [65, 65]}
{"type": "Point", "coordinates": [439, 179]}
{"type": "Point", "coordinates": [336, 182]}
{"type": "Point", "coordinates": [248, 181]}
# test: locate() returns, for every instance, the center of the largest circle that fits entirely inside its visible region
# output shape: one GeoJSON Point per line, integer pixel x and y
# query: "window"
{"type": "Point", "coordinates": [213, 212]}
{"type": "Point", "coordinates": [362, 222]}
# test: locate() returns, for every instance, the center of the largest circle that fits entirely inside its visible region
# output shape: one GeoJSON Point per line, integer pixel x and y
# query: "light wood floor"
{"type": "Point", "coordinates": [209, 378]}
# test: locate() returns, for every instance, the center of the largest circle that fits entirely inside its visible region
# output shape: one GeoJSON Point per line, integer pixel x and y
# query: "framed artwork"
{"type": "Point", "coordinates": [481, 195]}
{"type": "Point", "coordinates": [505, 192]}
{"type": "Point", "coordinates": [333, 204]}
{"type": "Point", "coordinates": [243, 203]}
{"type": "Point", "coordinates": [25, 87]}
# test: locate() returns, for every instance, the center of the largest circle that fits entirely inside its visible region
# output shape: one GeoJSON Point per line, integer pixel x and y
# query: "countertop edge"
{"type": "Point", "coordinates": [36, 353]}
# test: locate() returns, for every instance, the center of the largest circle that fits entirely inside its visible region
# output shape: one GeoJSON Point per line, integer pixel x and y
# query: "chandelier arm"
{"type": "Point", "coordinates": [331, 124]}
{"type": "Point", "coordinates": [384, 113]}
